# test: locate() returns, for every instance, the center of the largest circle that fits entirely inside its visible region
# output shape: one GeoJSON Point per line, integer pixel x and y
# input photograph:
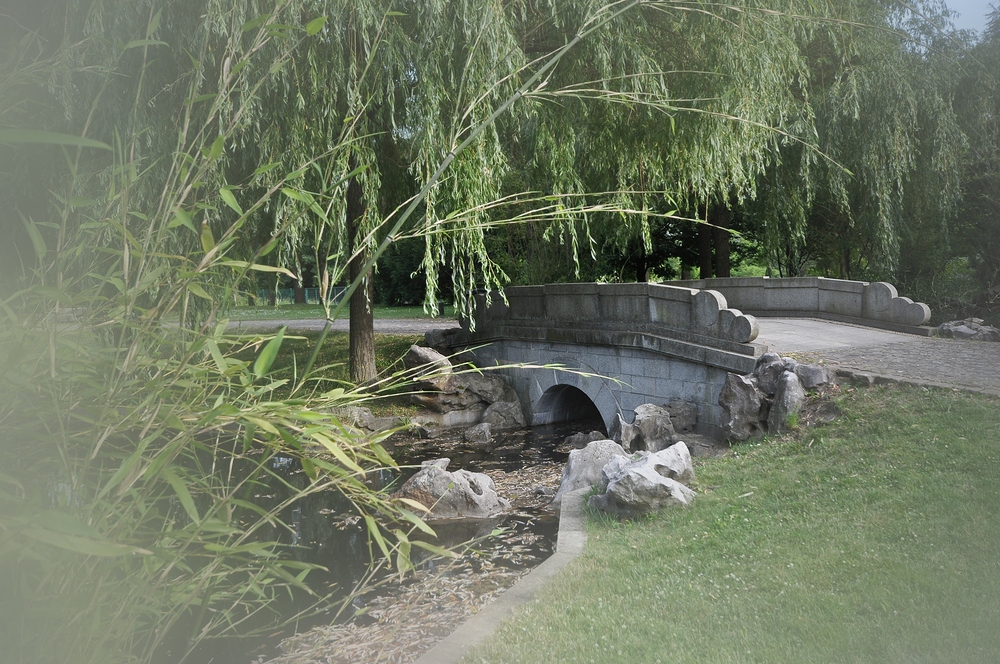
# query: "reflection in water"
{"type": "Point", "coordinates": [324, 531]}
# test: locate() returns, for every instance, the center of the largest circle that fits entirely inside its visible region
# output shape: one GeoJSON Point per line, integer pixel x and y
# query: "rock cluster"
{"type": "Point", "coordinates": [970, 328]}
{"type": "Point", "coordinates": [768, 400]}
{"type": "Point", "coordinates": [458, 494]}
{"type": "Point", "coordinates": [461, 398]}
{"type": "Point", "coordinates": [630, 485]}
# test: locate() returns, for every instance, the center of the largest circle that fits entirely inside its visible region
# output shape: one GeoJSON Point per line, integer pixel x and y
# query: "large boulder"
{"type": "Point", "coordinates": [741, 401]}
{"type": "Point", "coordinates": [656, 430]}
{"type": "Point", "coordinates": [583, 468]}
{"type": "Point", "coordinates": [458, 494]}
{"type": "Point", "coordinates": [646, 482]}
{"type": "Point", "coordinates": [461, 397]}
{"type": "Point", "coordinates": [788, 400]}
{"type": "Point", "coordinates": [504, 415]}
{"type": "Point", "coordinates": [425, 361]}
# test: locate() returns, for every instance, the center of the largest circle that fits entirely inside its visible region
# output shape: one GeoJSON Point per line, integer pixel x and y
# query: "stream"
{"type": "Point", "coordinates": [526, 466]}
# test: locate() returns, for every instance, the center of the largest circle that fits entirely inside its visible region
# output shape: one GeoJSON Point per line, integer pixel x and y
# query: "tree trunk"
{"type": "Point", "coordinates": [705, 248]}
{"type": "Point", "coordinates": [298, 293]}
{"type": "Point", "coordinates": [362, 323]}
{"type": "Point", "coordinates": [721, 217]}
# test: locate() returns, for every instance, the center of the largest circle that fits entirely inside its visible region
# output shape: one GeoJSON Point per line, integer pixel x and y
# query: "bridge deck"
{"type": "Point", "coordinates": [793, 335]}
{"type": "Point", "coordinates": [968, 365]}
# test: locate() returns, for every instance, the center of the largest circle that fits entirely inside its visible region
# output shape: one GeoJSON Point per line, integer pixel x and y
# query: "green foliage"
{"type": "Point", "coordinates": [134, 433]}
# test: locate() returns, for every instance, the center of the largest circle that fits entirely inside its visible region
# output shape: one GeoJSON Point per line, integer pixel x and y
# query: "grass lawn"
{"type": "Point", "coordinates": [315, 312]}
{"type": "Point", "coordinates": [872, 539]}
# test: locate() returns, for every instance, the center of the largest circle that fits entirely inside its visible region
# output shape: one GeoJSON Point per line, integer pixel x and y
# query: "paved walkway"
{"type": "Point", "coordinates": [968, 365]}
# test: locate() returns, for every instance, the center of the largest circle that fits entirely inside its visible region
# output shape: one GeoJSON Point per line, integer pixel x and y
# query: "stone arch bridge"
{"type": "Point", "coordinates": [603, 349]}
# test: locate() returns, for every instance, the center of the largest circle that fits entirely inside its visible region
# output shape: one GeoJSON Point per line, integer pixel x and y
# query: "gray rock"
{"type": "Point", "coordinates": [458, 494]}
{"type": "Point", "coordinates": [766, 358]}
{"type": "Point", "coordinates": [504, 415]}
{"type": "Point", "coordinates": [478, 435]}
{"type": "Point", "coordinates": [788, 402]}
{"type": "Point", "coordinates": [356, 417]}
{"type": "Point", "coordinates": [426, 431]}
{"type": "Point", "coordinates": [656, 431]}
{"type": "Point", "coordinates": [683, 415]}
{"type": "Point", "coordinates": [623, 433]}
{"type": "Point", "coordinates": [768, 374]}
{"type": "Point", "coordinates": [579, 440]}
{"type": "Point", "coordinates": [583, 468]}
{"type": "Point", "coordinates": [646, 482]}
{"type": "Point", "coordinates": [812, 376]}
{"type": "Point", "coordinates": [741, 402]}
{"type": "Point", "coordinates": [448, 393]}
{"type": "Point", "coordinates": [440, 339]}
{"type": "Point", "coordinates": [970, 328]}
{"type": "Point", "coordinates": [427, 361]}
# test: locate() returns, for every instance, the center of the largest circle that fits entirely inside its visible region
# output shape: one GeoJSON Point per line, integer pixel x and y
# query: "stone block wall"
{"type": "Point", "coordinates": [617, 379]}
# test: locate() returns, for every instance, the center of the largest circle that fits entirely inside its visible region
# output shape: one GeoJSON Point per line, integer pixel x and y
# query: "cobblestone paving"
{"type": "Point", "coordinates": [970, 365]}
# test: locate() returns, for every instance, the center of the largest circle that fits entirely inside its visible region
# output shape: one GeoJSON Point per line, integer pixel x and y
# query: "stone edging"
{"type": "Point", "coordinates": [861, 378]}
{"type": "Point", "coordinates": [569, 544]}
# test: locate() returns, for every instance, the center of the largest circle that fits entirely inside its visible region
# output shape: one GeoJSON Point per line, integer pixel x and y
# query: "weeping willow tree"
{"type": "Point", "coordinates": [887, 171]}
{"type": "Point", "coordinates": [978, 227]}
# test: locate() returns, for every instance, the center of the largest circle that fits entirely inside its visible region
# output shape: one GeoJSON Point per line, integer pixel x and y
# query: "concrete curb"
{"type": "Point", "coordinates": [860, 378]}
{"type": "Point", "coordinates": [569, 544]}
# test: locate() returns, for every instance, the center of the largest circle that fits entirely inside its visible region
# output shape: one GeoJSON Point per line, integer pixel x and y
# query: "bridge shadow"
{"type": "Point", "coordinates": [565, 403]}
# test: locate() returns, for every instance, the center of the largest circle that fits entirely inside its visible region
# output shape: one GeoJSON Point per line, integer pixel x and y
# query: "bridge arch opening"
{"type": "Point", "coordinates": [565, 403]}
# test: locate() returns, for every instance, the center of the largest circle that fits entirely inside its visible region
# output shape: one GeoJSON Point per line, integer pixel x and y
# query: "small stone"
{"type": "Point", "coordinates": [478, 435]}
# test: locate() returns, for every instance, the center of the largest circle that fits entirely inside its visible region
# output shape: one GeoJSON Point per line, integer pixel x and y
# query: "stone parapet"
{"type": "Point", "coordinates": [867, 303]}
{"type": "Point", "coordinates": [701, 316]}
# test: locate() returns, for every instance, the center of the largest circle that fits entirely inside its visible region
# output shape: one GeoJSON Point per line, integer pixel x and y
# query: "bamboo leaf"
{"type": "Point", "coordinates": [266, 358]}
{"type": "Point", "coordinates": [183, 495]}
{"type": "Point", "coordinates": [336, 451]}
{"type": "Point", "coordinates": [84, 545]}
{"type": "Point", "coordinates": [230, 200]}
{"type": "Point", "coordinates": [376, 534]}
{"type": "Point", "coordinates": [37, 241]}
{"type": "Point", "coordinates": [218, 145]}
{"type": "Point", "coordinates": [315, 25]}
{"type": "Point", "coordinates": [197, 289]}
{"type": "Point", "coordinates": [267, 168]}
{"type": "Point", "coordinates": [16, 136]}
{"type": "Point", "coordinates": [207, 239]}
{"type": "Point", "coordinates": [436, 550]}
{"type": "Point", "coordinates": [136, 43]}
{"type": "Point", "coordinates": [213, 349]}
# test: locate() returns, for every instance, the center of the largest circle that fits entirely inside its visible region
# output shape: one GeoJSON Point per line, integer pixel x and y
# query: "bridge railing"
{"type": "Point", "coordinates": [697, 316]}
{"type": "Point", "coordinates": [875, 303]}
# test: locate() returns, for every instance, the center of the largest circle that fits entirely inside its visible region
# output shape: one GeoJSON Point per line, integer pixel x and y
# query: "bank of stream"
{"type": "Point", "coordinates": [397, 621]}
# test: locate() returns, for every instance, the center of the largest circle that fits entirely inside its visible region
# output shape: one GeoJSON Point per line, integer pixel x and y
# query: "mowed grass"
{"type": "Point", "coordinates": [873, 539]}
